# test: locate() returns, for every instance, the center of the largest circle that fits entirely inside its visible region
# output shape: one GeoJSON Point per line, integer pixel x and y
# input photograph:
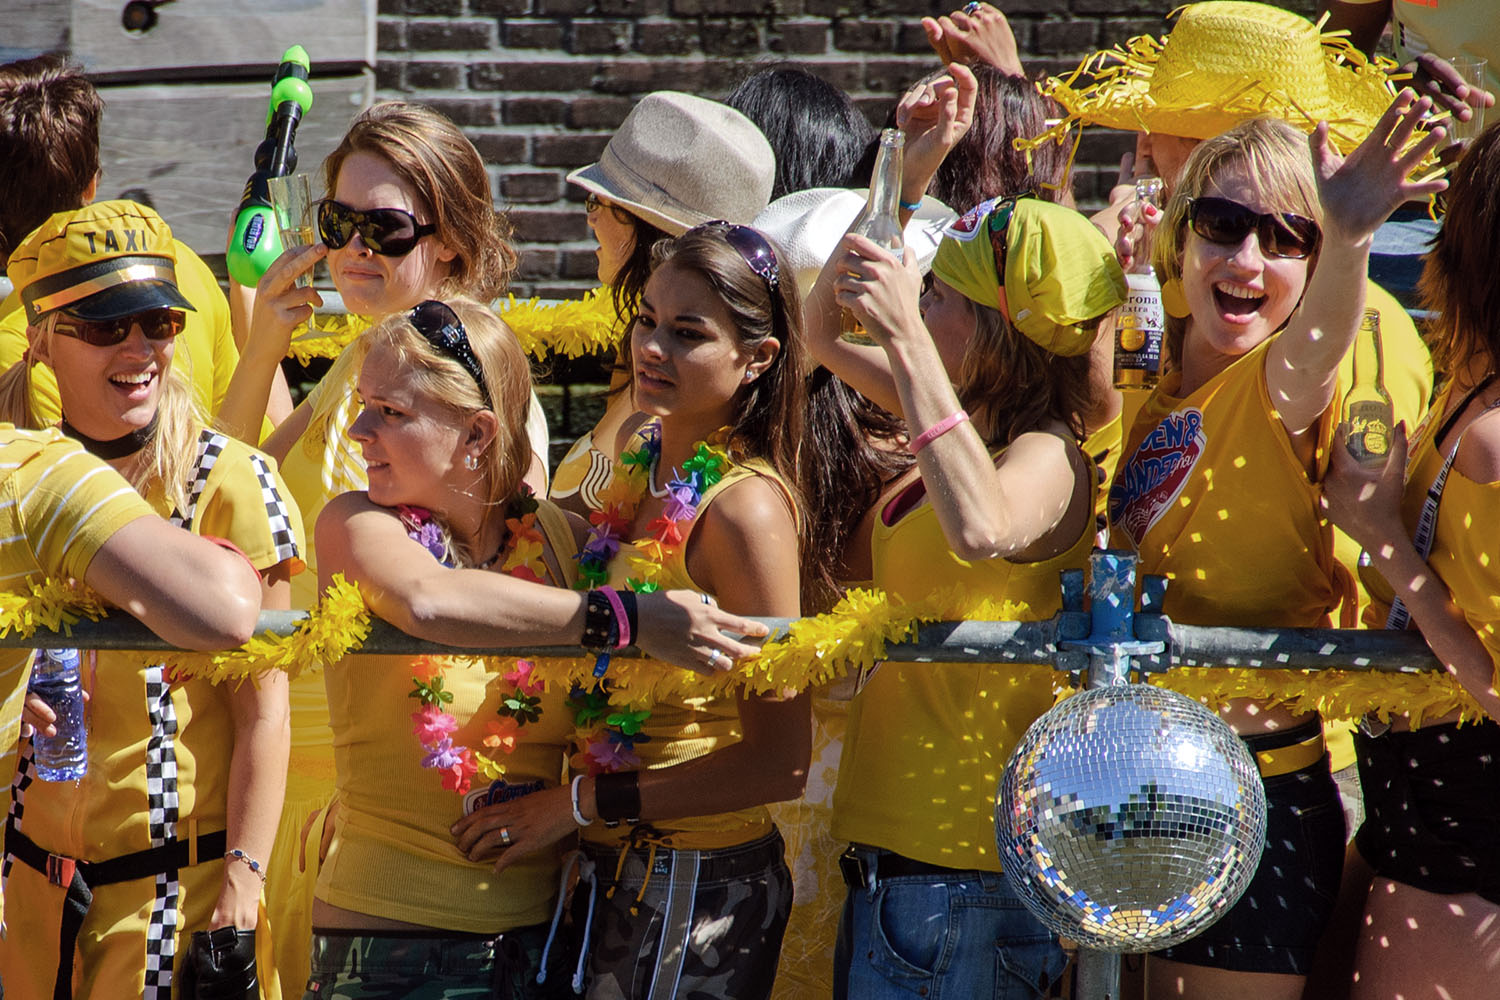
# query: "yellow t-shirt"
{"type": "Point", "coordinates": [682, 730]}
{"type": "Point", "coordinates": [1464, 555]}
{"type": "Point", "coordinates": [1448, 28]}
{"type": "Point", "coordinates": [206, 354]}
{"type": "Point", "coordinates": [103, 815]}
{"type": "Point", "coordinates": [392, 854]}
{"type": "Point", "coordinates": [927, 742]}
{"type": "Point", "coordinates": [58, 505]}
{"type": "Point", "coordinates": [1211, 495]}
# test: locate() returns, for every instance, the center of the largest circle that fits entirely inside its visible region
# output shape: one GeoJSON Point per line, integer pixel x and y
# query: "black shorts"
{"type": "Point", "coordinates": [1276, 925]}
{"type": "Point", "coordinates": [1432, 807]}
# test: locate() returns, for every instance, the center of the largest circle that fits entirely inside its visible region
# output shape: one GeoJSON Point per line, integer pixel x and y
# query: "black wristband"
{"type": "Point", "coordinates": [617, 796]}
{"type": "Point", "coordinates": [627, 600]}
{"type": "Point", "coordinates": [601, 632]}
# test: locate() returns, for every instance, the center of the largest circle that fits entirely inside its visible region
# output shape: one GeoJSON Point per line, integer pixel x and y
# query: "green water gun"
{"type": "Point", "coordinates": [257, 240]}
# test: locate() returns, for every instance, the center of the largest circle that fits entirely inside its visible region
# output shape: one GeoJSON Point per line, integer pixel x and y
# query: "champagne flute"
{"type": "Point", "coordinates": [291, 200]}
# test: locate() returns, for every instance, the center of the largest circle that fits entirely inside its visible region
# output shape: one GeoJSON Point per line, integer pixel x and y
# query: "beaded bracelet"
{"type": "Point", "coordinates": [235, 854]}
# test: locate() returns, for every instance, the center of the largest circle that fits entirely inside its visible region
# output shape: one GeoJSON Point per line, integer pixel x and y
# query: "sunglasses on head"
{"type": "Point", "coordinates": [1227, 223]}
{"type": "Point", "coordinates": [156, 324]}
{"type": "Point", "coordinates": [440, 326]}
{"type": "Point", "coordinates": [756, 250]}
{"type": "Point", "coordinates": [390, 232]}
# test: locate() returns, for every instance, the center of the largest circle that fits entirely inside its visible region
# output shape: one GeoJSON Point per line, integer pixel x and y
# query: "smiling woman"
{"type": "Point", "coordinates": [192, 839]}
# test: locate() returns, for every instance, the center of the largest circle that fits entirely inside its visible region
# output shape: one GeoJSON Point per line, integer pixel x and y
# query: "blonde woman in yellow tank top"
{"type": "Point", "coordinates": [1263, 251]}
{"type": "Point", "coordinates": [448, 545]}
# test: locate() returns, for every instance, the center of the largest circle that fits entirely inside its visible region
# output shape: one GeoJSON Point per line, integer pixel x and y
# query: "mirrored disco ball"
{"type": "Point", "coordinates": [1130, 818]}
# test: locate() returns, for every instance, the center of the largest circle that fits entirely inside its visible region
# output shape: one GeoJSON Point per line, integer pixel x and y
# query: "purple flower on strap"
{"type": "Point", "coordinates": [423, 528]}
{"type": "Point", "coordinates": [602, 544]}
{"type": "Point", "coordinates": [682, 501]}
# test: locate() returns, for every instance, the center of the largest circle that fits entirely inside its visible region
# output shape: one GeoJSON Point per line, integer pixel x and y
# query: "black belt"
{"type": "Point", "coordinates": [855, 868]}
{"type": "Point", "coordinates": [80, 878]}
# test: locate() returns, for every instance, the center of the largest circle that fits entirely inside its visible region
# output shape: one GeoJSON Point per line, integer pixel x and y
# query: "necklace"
{"type": "Point", "coordinates": [606, 734]}
{"type": "Point", "coordinates": [432, 724]}
{"type": "Point", "coordinates": [121, 447]}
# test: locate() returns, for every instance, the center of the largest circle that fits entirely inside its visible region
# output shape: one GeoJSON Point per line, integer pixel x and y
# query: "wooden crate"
{"type": "Point", "coordinates": [186, 149]}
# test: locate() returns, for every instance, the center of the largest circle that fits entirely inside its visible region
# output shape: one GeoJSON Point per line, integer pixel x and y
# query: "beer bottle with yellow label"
{"type": "Point", "coordinates": [1140, 321]}
{"type": "Point", "coordinates": [1367, 405]}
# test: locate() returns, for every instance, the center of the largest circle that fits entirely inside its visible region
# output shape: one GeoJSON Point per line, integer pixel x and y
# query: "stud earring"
{"type": "Point", "coordinates": [749, 377]}
{"type": "Point", "coordinates": [471, 463]}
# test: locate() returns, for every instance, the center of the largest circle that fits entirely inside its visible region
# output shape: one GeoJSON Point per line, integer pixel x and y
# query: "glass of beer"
{"type": "Point", "coordinates": [292, 201]}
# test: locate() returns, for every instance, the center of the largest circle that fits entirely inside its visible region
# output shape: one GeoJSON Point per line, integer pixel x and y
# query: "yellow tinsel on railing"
{"type": "Point", "coordinates": [817, 650]}
{"type": "Point", "coordinates": [571, 329]}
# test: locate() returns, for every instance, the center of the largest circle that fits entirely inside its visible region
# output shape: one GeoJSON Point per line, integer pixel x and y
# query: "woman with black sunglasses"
{"type": "Point", "coordinates": [408, 216]}
{"type": "Point", "coordinates": [177, 813]}
{"type": "Point", "coordinates": [1263, 251]}
{"type": "Point", "coordinates": [670, 792]}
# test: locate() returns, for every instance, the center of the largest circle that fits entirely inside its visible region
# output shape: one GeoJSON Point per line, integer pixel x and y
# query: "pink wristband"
{"type": "Point", "coordinates": [622, 623]}
{"type": "Point", "coordinates": [937, 430]}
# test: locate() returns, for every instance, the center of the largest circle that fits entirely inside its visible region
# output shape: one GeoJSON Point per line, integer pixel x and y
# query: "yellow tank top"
{"type": "Point", "coordinates": [1465, 559]}
{"type": "Point", "coordinates": [681, 730]}
{"type": "Point", "coordinates": [392, 854]}
{"type": "Point", "coordinates": [1211, 495]}
{"type": "Point", "coordinates": [584, 470]}
{"type": "Point", "coordinates": [927, 742]}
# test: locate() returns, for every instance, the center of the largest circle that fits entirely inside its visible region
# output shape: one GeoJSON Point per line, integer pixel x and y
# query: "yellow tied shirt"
{"type": "Point", "coordinates": [682, 730]}
{"type": "Point", "coordinates": [392, 855]}
{"type": "Point", "coordinates": [206, 354]}
{"type": "Point", "coordinates": [927, 742]}
{"type": "Point", "coordinates": [1212, 496]}
{"type": "Point", "coordinates": [58, 505]}
{"type": "Point", "coordinates": [1465, 547]}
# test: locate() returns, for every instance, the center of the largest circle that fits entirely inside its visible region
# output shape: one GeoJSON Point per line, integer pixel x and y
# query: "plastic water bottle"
{"type": "Point", "coordinates": [55, 679]}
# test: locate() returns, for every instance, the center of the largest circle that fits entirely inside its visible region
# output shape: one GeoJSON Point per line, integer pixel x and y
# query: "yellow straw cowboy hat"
{"type": "Point", "coordinates": [1225, 62]}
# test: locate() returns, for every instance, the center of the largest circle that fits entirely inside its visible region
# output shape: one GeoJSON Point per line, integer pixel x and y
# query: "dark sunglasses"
{"type": "Point", "coordinates": [442, 328]}
{"type": "Point", "coordinates": [756, 250]}
{"type": "Point", "coordinates": [156, 324]}
{"type": "Point", "coordinates": [1226, 223]}
{"type": "Point", "coordinates": [390, 232]}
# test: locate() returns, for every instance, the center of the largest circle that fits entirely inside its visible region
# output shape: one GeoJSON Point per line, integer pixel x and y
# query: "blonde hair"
{"type": "Point", "coordinates": [439, 377]}
{"type": "Point", "coordinates": [1277, 160]}
{"type": "Point", "coordinates": [169, 456]}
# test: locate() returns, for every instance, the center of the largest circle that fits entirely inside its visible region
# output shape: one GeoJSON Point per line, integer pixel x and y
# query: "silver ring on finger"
{"type": "Point", "coordinates": [714, 657]}
{"type": "Point", "coordinates": [971, 8]}
{"type": "Point", "coordinates": [505, 840]}
{"type": "Point", "coordinates": [705, 599]}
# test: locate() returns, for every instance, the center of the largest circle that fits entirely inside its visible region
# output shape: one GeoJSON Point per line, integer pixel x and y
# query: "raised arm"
{"type": "Point", "coordinates": [1358, 194]}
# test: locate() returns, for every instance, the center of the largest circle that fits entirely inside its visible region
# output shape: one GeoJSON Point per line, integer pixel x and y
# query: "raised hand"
{"type": "Point", "coordinates": [934, 114]}
{"type": "Point", "coordinates": [1435, 77]}
{"type": "Point", "coordinates": [979, 33]}
{"type": "Point", "coordinates": [881, 291]}
{"type": "Point", "coordinates": [1361, 191]}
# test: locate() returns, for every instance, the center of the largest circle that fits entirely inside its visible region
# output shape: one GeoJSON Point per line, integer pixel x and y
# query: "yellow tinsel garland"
{"type": "Point", "coordinates": [817, 650]}
{"type": "Point", "coordinates": [572, 329]}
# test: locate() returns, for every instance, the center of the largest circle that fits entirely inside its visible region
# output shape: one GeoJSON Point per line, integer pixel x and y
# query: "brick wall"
{"type": "Point", "coordinates": [539, 85]}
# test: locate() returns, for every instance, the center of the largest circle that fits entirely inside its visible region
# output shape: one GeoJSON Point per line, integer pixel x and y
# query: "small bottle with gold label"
{"type": "Point", "coordinates": [1367, 405]}
{"type": "Point", "coordinates": [1140, 322]}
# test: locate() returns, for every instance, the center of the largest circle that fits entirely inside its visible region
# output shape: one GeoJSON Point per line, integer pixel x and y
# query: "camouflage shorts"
{"type": "Point", "coordinates": [709, 925]}
{"type": "Point", "coordinates": [404, 966]}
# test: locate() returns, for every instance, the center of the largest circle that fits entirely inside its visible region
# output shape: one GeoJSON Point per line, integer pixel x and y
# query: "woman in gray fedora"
{"type": "Point", "coordinates": [676, 161]}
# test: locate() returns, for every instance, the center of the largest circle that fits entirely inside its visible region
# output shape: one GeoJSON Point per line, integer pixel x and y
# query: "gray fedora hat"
{"type": "Point", "coordinates": [679, 160]}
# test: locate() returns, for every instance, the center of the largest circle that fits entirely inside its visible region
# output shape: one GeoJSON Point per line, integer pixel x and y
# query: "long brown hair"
{"type": "Point", "coordinates": [447, 174]}
{"type": "Point", "coordinates": [769, 411]}
{"type": "Point", "coordinates": [1458, 279]}
{"type": "Point", "coordinates": [1010, 384]}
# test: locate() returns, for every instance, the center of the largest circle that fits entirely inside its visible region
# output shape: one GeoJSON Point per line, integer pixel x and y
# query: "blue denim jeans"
{"type": "Point", "coordinates": [959, 936]}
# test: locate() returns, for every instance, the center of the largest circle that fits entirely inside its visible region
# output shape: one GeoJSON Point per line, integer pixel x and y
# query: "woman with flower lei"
{"type": "Point", "coordinates": [449, 546]}
{"type": "Point", "coordinates": [704, 497]}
